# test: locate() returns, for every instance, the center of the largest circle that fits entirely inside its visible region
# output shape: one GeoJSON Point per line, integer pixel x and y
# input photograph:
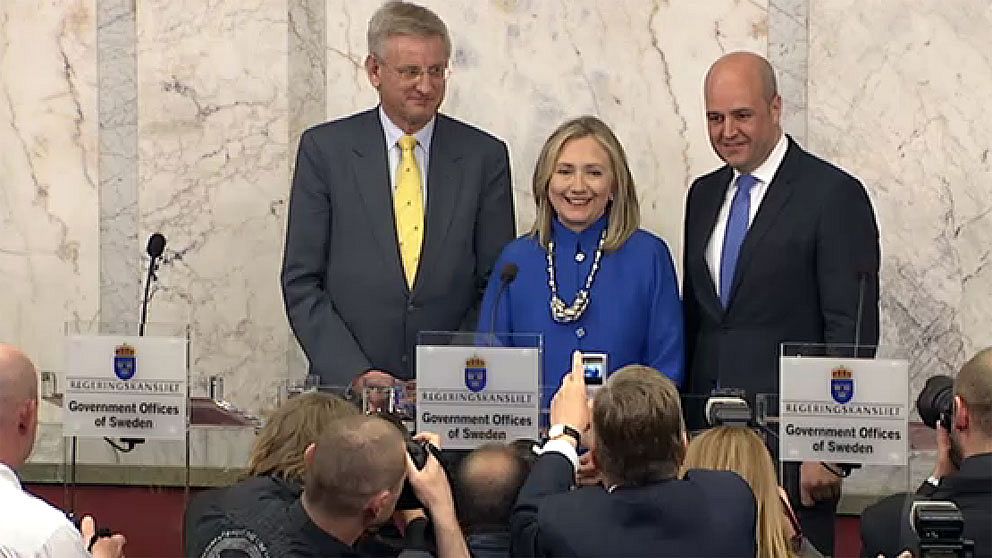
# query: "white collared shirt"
{"type": "Point", "coordinates": [422, 151]}
{"type": "Point", "coordinates": [764, 173]}
{"type": "Point", "coordinates": [30, 528]}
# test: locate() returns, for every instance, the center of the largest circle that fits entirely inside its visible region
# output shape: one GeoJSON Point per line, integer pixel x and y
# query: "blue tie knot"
{"type": "Point", "coordinates": [745, 182]}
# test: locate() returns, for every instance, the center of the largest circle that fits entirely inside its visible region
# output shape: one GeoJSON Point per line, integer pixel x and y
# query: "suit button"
{"type": "Point", "coordinates": [411, 307]}
{"type": "Point", "coordinates": [404, 359]}
{"type": "Point", "coordinates": [580, 333]}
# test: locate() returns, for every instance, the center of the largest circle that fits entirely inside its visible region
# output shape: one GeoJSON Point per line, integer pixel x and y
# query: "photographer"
{"type": "Point", "coordinates": [28, 525]}
{"type": "Point", "coordinates": [354, 475]}
{"type": "Point", "coordinates": [637, 441]}
{"type": "Point", "coordinates": [963, 473]}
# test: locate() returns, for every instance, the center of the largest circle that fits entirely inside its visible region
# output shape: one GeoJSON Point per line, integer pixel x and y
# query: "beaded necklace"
{"type": "Point", "coordinates": [566, 314]}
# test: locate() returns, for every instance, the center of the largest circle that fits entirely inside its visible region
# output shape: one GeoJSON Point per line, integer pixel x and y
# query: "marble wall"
{"type": "Point", "coordinates": [121, 118]}
{"type": "Point", "coordinates": [49, 203]}
{"type": "Point", "coordinates": [909, 116]}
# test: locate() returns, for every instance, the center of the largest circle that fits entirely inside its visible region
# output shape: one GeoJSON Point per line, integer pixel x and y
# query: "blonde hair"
{"type": "Point", "coordinates": [278, 448]}
{"type": "Point", "coordinates": [402, 18]}
{"type": "Point", "coordinates": [625, 212]}
{"type": "Point", "coordinates": [739, 449]}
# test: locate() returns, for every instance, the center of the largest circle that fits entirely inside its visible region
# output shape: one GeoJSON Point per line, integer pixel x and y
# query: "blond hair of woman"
{"type": "Point", "coordinates": [739, 449]}
{"type": "Point", "coordinates": [278, 449]}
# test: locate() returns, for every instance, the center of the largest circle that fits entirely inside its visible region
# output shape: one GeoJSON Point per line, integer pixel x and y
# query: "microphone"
{"type": "Point", "coordinates": [156, 245]}
{"type": "Point", "coordinates": [506, 276]}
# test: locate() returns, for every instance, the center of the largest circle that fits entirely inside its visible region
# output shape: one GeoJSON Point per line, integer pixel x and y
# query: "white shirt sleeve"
{"type": "Point", "coordinates": [65, 541]}
{"type": "Point", "coordinates": [562, 447]}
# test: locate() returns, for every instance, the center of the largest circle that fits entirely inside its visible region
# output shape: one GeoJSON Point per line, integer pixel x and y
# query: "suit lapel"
{"type": "Point", "coordinates": [443, 188]}
{"type": "Point", "coordinates": [709, 210]}
{"type": "Point", "coordinates": [372, 182]}
{"type": "Point", "coordinates": [775, 199]}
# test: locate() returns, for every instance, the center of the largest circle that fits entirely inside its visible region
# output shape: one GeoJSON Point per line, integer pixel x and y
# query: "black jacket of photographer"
{"type": "Point", "coordinates": [884, 525]}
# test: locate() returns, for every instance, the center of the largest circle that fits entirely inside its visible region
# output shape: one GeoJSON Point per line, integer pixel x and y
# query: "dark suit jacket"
{"type": "Point", "coordinates": [812, 240]}
{"type": "Point", "coordinates": [885, 524]}
{"type": "Point", "coordinates": [709, 513]}
{"type": "Point", "coordinates": [342, 277]}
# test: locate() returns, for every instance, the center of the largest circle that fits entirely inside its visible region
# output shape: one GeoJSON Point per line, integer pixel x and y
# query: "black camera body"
{"type": "Point", "coordinates": [939, 526]}
{"type": "Point", "coordinates": [419, 452]}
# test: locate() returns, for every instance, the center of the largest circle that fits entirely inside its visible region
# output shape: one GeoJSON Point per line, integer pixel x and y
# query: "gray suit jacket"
{"type": "Point", "coordinates": [342, 277]}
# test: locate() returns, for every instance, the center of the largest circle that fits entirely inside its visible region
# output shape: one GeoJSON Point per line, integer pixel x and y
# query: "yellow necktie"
{"type": "Point", "coordinates": [408, 203]}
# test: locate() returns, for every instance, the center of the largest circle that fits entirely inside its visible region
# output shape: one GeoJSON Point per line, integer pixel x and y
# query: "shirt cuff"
{"type": "Point", "coordinates": [562, 447]}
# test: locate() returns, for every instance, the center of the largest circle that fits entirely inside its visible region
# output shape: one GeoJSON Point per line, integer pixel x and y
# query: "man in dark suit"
{"type": "Point", "coordinates": [780, 246]}
{"type": "Point", "coordinates": [396, 214]}
{"type": "Point", "coordinates": [885, 525]}
{"type": "Point", "coordinates": [637, 441]}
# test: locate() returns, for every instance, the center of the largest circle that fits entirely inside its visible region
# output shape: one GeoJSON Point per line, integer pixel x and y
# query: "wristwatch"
{"type": "Point", "coordinates": [558, 430]}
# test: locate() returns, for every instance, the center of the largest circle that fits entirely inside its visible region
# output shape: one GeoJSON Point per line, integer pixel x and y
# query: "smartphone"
{"type": "Point", "coordinates": [594, 365]}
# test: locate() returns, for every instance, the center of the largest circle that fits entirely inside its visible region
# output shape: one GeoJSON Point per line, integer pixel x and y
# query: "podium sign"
{"type": "Point", "coordinates": [125, 386]}
{"type": "Point", "coordinates": [471, 395]}
{"type": "Point", "coordinates": [844, 410]}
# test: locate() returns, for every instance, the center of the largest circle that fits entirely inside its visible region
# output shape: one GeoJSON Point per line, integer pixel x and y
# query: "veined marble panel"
{"type": "Point", "coordinates": [49, 218]}
{"type": "Point", "coordinates": [521, 67]}
{"type": "Point", "coordinates": [213, 178]}
{"type": "Point", "coordinates": [898, 95]}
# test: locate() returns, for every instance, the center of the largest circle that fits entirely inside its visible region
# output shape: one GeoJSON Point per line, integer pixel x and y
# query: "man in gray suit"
{"type": "Point", "coordinates": [396, 215]}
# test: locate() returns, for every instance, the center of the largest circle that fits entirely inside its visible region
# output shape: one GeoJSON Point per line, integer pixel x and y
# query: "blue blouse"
{"type": "Point", "coordinates": [634, 313]}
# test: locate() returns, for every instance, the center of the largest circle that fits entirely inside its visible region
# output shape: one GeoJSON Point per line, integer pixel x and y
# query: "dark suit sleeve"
{"type": "Point", "coordinates": [494, 225]}
{"type": "Point", "coordinates": [690, 306]}
{"type": "Point", "coordinates": [551, 474]}
{"type": "Point", "coordinates": [333, 352]}
{"type": "Point", "coordinates": [847, 249]}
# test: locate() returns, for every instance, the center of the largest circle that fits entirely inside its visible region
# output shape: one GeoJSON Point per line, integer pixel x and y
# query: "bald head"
{"type": "Point", "coordinates": [18, 379]}
{"type": "Point", "coordinates": [748, 67]}
{"type": "Point", "coordinates": [974, 386]}
{"type": "Point", "coordinates": [743, 109]}
{"type": "Point", "coordinates": [488, 482]}
{"type": "Point", "coordinates": [18, 406]}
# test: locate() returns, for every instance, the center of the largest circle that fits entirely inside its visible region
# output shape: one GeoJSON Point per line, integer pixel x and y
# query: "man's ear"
{"type": "Point", "coordinates": [308, 455]}
{"type": "Point", "coordinates": [376, 506]}
{"type": "Point", "coordinates": [27, 417]}
{"type": "Point", "coordinates": [962, 416]}
{"type": "Point", "coordinates": [373, 68]}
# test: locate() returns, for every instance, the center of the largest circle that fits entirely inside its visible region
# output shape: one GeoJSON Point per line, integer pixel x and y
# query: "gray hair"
{"type": "Point", "coordinates": [402, 18]}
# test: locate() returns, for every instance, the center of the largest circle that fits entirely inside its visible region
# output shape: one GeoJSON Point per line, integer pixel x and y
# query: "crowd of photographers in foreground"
{"type": "Point", "coordinates": [326, 480]}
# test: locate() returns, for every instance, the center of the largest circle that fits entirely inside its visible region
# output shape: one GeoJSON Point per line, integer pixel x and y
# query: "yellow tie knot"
{"type": "Point", "coordinates": [407, 143]}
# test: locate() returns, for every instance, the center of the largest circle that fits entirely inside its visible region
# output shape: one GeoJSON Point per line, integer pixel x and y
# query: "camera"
{"type": "Point", "coordinates": [727, 407]}
{"type": "Point", "coordinates": [939, 526]}
{"type": "Point", "coordinates": [936, 402]}
{"type": "Point", "coordinates": [419, 453]}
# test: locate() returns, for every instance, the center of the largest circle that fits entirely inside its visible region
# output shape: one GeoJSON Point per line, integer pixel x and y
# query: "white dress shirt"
{"type": "Point", "coordinates": [764, 173]}
{"type": "Point", "coordinates": [30, 528]}
{"type": "Point", "coordinates": [422, 151]}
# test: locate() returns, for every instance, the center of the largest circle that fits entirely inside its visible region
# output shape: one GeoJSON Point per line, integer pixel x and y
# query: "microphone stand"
{"type": "Point", "coordinates": [131, 443]}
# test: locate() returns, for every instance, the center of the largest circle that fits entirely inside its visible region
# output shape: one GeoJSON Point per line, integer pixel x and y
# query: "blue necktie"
{"type": "Point", "coordinates": [737, 222]}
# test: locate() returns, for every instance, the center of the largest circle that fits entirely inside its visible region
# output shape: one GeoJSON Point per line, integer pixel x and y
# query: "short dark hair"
{"type": "Point", "coordinates": [638, 427]}
{"type": "Point", "coordinates": [488, 481]}
{"type": "Point", "coordinates": [356, 458]}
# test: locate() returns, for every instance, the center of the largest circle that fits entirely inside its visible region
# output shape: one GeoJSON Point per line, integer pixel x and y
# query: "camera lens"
{"type": "Point", "coordinates": [936, 400]}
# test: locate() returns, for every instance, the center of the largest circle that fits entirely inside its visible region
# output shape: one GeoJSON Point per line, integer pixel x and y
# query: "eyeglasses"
{"type": "Point", "coordinates": [416, 73]}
